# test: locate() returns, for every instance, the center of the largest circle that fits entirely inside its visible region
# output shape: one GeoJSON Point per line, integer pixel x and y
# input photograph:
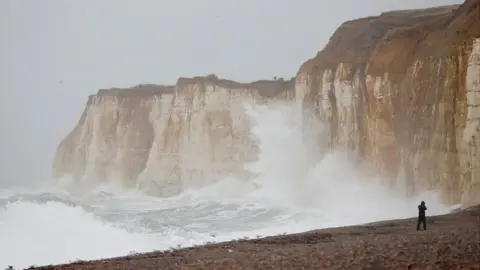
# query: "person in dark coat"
{"type": "Point", "coordinates": [421, 216]}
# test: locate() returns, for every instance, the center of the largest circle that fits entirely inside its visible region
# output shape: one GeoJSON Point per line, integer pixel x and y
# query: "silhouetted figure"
{"type": "Point", "coordinates": [421, 216]}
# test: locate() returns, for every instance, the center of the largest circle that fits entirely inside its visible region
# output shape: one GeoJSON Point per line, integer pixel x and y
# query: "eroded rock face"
{"type": "Point", "coordinates": [154, 135]}
{"type": "Point", "coordinates": [402, 90]}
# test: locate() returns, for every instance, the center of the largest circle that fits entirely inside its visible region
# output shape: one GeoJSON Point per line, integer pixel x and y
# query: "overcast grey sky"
{"type": "Point", "coordinates": [54, 53]}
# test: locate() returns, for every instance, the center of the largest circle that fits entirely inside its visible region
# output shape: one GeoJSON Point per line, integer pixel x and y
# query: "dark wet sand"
{"type": "Point", "coordinates": [451, 242]}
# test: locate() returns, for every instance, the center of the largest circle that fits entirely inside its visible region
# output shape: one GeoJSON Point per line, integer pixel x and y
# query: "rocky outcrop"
{"type": "Point", "coordinates": [402, 89]}
{"type": "Point", "coordinates": [153, 136]}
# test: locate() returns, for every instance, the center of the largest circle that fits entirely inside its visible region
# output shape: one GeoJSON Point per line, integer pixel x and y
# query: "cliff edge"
{"type": "Point", "coordinates": [402, 89]}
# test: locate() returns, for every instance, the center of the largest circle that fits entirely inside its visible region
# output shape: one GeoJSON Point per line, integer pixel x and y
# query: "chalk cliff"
{"type": "Point", "coordinates": [402, 89]}
{"type": "Point", "coordinates": [153, 135]}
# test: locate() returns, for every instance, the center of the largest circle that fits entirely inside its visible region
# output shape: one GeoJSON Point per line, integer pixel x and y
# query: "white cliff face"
{"type": "Point", "coordinates": [417, 132]}
{"type": "Point", "coordinates": [384, 88]}
{"type": "Point", "coordinates": [164, 142]}
{"type": "Point", "coordinates": [346, 93]}
{"type": "Point", "coordinates": [471, 133]}
{"type": "Point", "coordinates": [111, 141]}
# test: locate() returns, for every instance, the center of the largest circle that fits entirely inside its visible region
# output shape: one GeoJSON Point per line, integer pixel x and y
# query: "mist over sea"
{"type": "Point", "coordinates": [51, 224]}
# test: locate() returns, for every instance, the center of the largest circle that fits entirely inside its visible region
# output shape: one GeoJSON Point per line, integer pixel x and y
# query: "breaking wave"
{"type": "Point", "coordinates": [290, 193]}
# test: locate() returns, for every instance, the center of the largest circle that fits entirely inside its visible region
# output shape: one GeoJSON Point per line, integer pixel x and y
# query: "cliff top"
{"type": "Point", "coordinates": [142, 89]}
{"type": "Point", "coordinates": [264, 87]}
{"type": "Point", "coordinates": [431, 11]}
{"type": "Point", "coordinates": [213, 79]}
{"type": "Point", "coordinates": [432, 30]}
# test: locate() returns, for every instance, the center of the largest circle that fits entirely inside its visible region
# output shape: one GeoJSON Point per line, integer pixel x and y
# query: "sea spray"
{"type": "Point", "coordinates": [331, 182]}
{"type": "Point", "coordinates": [294, 189]}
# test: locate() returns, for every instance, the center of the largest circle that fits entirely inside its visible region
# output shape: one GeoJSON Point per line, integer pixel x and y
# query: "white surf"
{"type": "Point", "coordinates": [42, 226]}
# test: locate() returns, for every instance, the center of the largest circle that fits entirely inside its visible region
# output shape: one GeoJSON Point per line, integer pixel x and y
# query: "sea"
{"type": "Point", "coordinates": [51, 223]}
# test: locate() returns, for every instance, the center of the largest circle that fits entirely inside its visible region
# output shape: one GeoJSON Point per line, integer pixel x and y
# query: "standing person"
{"type": "Point", "coordinates": [421, 216]}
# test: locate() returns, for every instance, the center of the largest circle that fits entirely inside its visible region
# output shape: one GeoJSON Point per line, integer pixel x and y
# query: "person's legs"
{"type": "Point", "coordinates": [421, 220]}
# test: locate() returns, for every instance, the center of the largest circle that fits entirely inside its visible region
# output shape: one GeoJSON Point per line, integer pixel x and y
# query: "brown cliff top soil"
{"type": "Point", "coordinates": [389, 42]}
{"type": "Point", "coordinates": [139, 90]}
{"type": "Point", "coordinates": [266, 88]}
{"type": "Point", "coordinates": [397, 50]}
{"type": "Point", "coordinates": [452, 241]}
